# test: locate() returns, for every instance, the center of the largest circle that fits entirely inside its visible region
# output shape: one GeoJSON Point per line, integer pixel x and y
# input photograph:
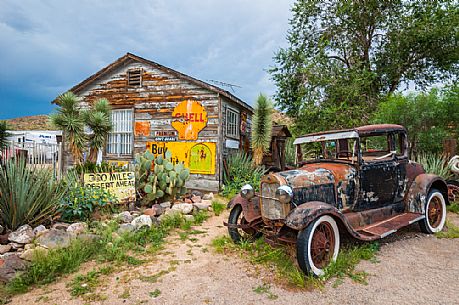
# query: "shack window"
{"type": "Point", "coordinates": [134, 77]}
{"type": "Point", "coordinates": [232, 123]}
{"type": "Point", "coordinates": [120, 139]}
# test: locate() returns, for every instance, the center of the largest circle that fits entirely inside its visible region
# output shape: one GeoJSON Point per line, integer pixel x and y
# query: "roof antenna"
{"type": "Point", "coordinates": [219, 83]}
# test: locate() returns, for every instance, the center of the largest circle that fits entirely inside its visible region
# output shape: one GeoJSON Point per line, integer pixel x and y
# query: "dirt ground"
{"type": "Point", "coordinates": [413, 268]}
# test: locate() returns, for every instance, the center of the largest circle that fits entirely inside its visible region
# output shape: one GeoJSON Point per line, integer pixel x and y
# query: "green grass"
{"type": "Point", "coordinates": [278, 259]}
{"type": "Point", "coordinates": [453, 207]}
{"type": "Point", "coordinates": [155, 293]}
{"type": "Point", "coordinates": [265, 289]}
{"type": "Point", "coordinates": [200, 217]}
{"type": "Point", "coordinates": [218, 207]}
{"type": "Point", "coordinates": [46, 268]}
{"type": "Point", "coordinates": [451, 231]}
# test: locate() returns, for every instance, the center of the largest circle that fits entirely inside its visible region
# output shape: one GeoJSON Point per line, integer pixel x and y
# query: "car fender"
{"type": "Point", "coordinates": [415, 199]}
{"type": "Point", "coordinates": [300, 217]}
{"type": "Point", "coordinates": [250, 208]}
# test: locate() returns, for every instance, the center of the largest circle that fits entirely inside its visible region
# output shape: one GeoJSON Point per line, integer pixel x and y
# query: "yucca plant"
{"type": "Point", "coordinates": [27, 195]}
{"type": "Point", "coordinates": [261, 128]}
{"type": "Point", "coordinates": [4, 134]}
{"type": "Point", "coordinates": [98, 118]}
{"type": "Point", "coordinates": [69, 119]}
{"type": "Point", "coordinates": [435, 164]}
{"type": "Point", "coordinates": [241, 170]}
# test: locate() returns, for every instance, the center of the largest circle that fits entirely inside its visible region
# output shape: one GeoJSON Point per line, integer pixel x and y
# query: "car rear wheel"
{"type": "Point", "coordinates": [435, 213]}
{"type": "Point", "coordinates": [236, 217]}
{"type": "Point", "coordinates": [453, 191]}
{"type": "Point", "coordinates": [318, 245]}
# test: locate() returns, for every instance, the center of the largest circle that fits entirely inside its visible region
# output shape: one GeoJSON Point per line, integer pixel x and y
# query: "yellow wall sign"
{"type": "Point", "coordinates": [199, 157]}
{"type": "Point", "coordinates": [189, 118]}
{"type": "Point", "coordinates": [122, 184]}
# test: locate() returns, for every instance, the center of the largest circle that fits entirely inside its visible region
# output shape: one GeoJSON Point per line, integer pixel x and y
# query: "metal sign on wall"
{"type": "Point", "coordinates": [189, 118]}
{"type": "Point", "coordinates": [121, 184]}
{"type": "Point", "coordinates": [199, 157]}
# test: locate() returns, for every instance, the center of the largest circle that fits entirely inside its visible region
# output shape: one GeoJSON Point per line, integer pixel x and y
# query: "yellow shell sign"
{"type": "Point", "coordinates": [189, 118]}
{"type": "Point", "coordinates": [199, 157]}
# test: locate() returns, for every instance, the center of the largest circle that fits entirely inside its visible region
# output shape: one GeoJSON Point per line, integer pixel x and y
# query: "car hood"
{"type": "Point", "coordinates": [329, 182]}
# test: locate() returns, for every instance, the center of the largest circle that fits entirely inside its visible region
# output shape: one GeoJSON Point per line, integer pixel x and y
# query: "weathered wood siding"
{"type": "Point", "coordinates": [154, 102]}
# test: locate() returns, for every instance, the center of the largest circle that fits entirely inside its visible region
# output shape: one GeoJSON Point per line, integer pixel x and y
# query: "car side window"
{"type": "Point", "coordinates": [376, 147]}
{"type": "Point", "coordinates": [399, 142]}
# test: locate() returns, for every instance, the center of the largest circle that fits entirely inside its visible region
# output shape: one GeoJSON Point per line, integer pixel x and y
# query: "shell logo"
{"type": "Point", "coordinates": [189, 118]}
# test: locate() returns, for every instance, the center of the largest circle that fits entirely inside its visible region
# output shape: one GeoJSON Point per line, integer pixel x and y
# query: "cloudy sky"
{"type": "Point", "coordinates": [46, 47]}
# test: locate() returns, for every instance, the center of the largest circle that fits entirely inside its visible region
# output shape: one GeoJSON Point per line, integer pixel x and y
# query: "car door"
{"type": "Point", "coordinates": [378, 174]}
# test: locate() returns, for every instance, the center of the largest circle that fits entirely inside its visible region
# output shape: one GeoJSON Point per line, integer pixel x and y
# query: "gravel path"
{"type": "Point", "coordinates": [413, 268]}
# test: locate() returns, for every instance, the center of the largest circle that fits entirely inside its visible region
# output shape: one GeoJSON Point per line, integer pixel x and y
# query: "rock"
{"type": "Point", "coordinates": [208, 196]}
{"type": "Point", "coordinates": [115, 236]}
{"type": "Point", "coordinates": [23, 235]}
{"type": "Point", "coordinates": [16, 246]}
{"type": "Point", "coordinates": [29, 246]}
{"type": "Point", "coordinates": [150, 212]}
{"type": "Point", "coordinates": [4, 248]}
{"type": "Point", "coordinates": [4, 238]}
{"type": "Point", "coordinates": [124, 217]}
{"type": "Point", "coordinates": [54, 238]}
{"type": "Point", "coordinates": [30, 254]}
{"type": "Point", "coordinates": [154, 221]}
{"type": "Point", "coordinates": [89, 237]}
{"type": "Point", "coordinates": [60, 226]}
{"type": "Point", "coordinates": [125, 227]}
{"type": "Point", "coordinates": [172, 212]}
{"type": "Point", "coordinates": [203, 205]}
{"type": "Point", "coordinates": [184, 208]}
{"type": "Point", "coordinates": [142, 220]}
{"type": "Point", "coordinates": [165, 204]}
{"type": "Point", "coordinates": [189, 218]}
{"type": "Point", "coordinates": [210, 209]}
{"type": "Point", "coordinates": [188, 200]}
{"type": "Point", "coordinates": [39, 229]}
{"type": "Point", "coordinates": [1, 229]}
{"type": "Point", "coordinates": [197, 193]}
{"type": "Point", "coordinates": [77, 228]}
{"type": "Point", "coordinates": [9, 265]}
{"type": "Point", "coordinates": [196, 199]}
{"type": "Point", "coordinates": [158, 209]}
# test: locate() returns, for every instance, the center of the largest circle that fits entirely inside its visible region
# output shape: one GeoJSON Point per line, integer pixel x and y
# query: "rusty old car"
{"type": "Point", "coordinates": [358, 182]}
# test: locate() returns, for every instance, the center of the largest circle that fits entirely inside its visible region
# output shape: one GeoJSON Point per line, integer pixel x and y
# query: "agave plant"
{"type": "Point", "coordinates": [98, 118]}
{"type": "Point", "coordinates": [69, 119]}
{"type": "Point", "coordinates": [27, 195]}
{"type": "Point", "coordinates": [261, 128]}
{"type": "Point", "coordinates": [435, 164]}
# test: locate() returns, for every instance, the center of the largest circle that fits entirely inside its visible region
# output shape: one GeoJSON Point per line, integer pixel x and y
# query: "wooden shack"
{"type": "Point", "coordinates": [159, 109]}
{"type": "Point", "coordinates": [275, 158]}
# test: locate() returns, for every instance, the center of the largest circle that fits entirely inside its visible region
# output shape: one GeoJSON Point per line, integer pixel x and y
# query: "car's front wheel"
{"type": "Point", "coordinates": [318, 245]}
{"type": "Point", "coordinates": [435, 213]}
{"type": "Point", "coordinates": [236, 217]}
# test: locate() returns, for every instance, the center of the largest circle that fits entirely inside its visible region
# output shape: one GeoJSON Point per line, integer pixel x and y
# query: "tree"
{"type": "Point", "coordinates": [98, 119]}
{"type": "Point", "coordinates": [344, 57]}
{"type": "Point", "coordinates": [429, 117]}
{"type": "Point", "coordinates": [4, 134]}
{"type": "Point", "coordinates": [261, 128]}
{"type": "Point", "coordinates": [69, 119]}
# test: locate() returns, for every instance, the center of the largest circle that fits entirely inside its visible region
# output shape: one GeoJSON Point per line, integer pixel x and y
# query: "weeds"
{"type": "Point", "coordinates": [218, 207]}
{"type": "Point", "coordinates": [260, 253]}
{"type": "Point", "coordinates": [453, 207]}
{"type": "Point", "coordinates": [155, 293]}
{"type": "Point", "coordinates": [265, 289]}
{"type": "Point", "coordinates": [451, 231]}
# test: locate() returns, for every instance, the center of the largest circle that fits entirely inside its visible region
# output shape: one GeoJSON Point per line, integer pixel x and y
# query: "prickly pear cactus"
{"type": "Point", "coordinates": [159, 178]}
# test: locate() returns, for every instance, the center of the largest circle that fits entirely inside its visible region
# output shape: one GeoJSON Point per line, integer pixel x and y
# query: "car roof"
{"type": "Point", "coordinates": [349, 133]}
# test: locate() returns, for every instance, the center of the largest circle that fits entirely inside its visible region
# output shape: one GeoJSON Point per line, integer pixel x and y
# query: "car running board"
{"type": "Point", "coordinates": [388, 226]}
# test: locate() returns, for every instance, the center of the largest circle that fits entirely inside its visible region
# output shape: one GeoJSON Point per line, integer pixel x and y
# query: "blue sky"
{"type": "Point", "coordinates": [46, 47]}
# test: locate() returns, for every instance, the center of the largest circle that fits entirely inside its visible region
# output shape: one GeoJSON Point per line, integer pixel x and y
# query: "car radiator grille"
{"type": "Point", "coordinates": [272, 208]}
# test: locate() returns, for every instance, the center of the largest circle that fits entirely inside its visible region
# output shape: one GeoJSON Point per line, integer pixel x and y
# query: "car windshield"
{"type": "Point", "coordinates": [333, 149]}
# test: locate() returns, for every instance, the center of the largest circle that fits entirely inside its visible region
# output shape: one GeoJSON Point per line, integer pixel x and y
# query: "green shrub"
{"type": "Point", "coordinates": [241, 171]}
{"type": "Point", "coordinates": [80, 202]}
{"type": "Point", "coordinates": [28, 195]}
{"type": "Point", "coordinates": [435, 164]}
{"type": "Point", "coordinates": [91, 167]}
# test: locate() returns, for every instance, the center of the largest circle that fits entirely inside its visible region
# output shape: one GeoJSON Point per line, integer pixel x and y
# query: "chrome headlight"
{"type": "Point", "coordinates": [284, 193]}
{"type": "Point", "coordinates": [247, 192]}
